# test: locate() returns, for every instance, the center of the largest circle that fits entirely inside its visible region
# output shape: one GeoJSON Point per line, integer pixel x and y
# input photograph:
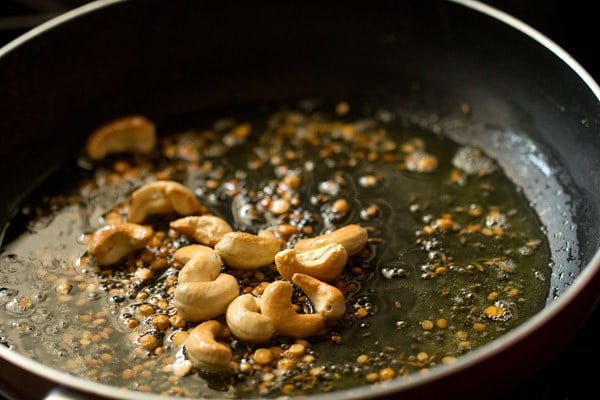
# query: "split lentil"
{"type": "Point", "coordinates": [452, 260]}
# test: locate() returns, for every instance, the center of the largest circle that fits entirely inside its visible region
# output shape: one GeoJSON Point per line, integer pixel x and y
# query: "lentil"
{"type": "Point", "coordinates": [427, 324]}
{"type": "Point", "coordinates": [363, 358]}
{"type": "Point", "coordinates": [386, 374]}
{"type": "Point", "coordinates": [262, 356]}
{"type": "Point", "coordinates": [148, 342]}
{"type": "Point", "coordinates": [441, 323]}
{"type": "Point", "coordinates": [269, 184]}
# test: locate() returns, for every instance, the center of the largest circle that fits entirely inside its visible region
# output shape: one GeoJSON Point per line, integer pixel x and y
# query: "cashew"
{"type": "Point", "coordinates": [203, 266]}
{"type": "Point", "coordinates": [277, 305]}
{"type": "Point", "coordinates": [128, 134]}
{"type": "Point", "coordinates": [247, 251]}
{"type": "Point", "coordinates": [185, 253]}
{"type": "Point", "coordinates": [198, 301]}
{"type": "Point", "coordinates": [162, 197]}
{"type": "Point", "coordinates": [111, 243]}
{"type": "Point", "coordinates": [206, 229]}
{"type": "Point", "coordinates": [204, 351]}
{"type": "Point", "coordinates": [324, 263]}
{"type": "Point", "coordinates": [246, 322]}
{"type": "Point", "coordinates": [353, 237]}
{"type": "Point", "coordinates": [326, 299]}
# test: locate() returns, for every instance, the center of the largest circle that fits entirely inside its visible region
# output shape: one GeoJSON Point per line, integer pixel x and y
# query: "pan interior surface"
{"type": "Point", "coordinates": [529, 127]}
{"type": "Point", "coordinates": [457, 256]}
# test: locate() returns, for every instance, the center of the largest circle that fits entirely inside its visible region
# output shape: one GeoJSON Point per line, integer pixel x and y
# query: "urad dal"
{"type": "Point", "coordinates": [450, 255]}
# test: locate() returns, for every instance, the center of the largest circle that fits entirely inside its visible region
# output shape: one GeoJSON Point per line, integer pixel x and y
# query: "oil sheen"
{"type": "Point", "coordinates": [456, 256]}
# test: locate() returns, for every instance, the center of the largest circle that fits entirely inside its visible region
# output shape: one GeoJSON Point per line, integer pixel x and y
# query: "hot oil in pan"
{"type": "Point", "coordinates": [456, 257]}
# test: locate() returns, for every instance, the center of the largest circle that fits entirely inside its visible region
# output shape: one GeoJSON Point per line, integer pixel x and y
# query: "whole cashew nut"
{"type": "Point", "coordinates": [326, 299]}
{"type": "Point", "coordinates": [353, 237]}
{"type": "Point", "coordinates": [203, 266]}
{"type": "Point", "coordinates": [324, 263]}
{"type": "Point", "coordinates": [205, 229]}
{"type": "Point", "coordinates": [162, 197]}
{"type": "Point", "coordinates": [246, 322]}
{"type": "Point", "coordinates": [128, 134]}
{"type": "Point", "coordinates": [277, 305]}
{"type": "Point", "coordinates": [112, 242]}
{"type": "Point", "coordinates": [185, 253]}
{"type": "Point", "coordinates": [247, 251]}
{"type": "Point", "coordinates": [204, 351]}
{"type": "Point", "coordinates": [199, 301]}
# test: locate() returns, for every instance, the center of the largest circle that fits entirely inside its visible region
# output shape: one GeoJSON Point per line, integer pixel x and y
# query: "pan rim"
{"type": "Point", "coordinates": [587, 275]}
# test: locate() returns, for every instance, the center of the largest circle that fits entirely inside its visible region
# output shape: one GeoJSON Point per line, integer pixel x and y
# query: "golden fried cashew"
{"type": "Point", "coordinates": [247, 251]}
{"type": "Point", "coordinates": [205, 229]}
{"type": "Point", "coordinates": [326, 299]}
{"type": "Point", "coordinates": [134, 134]}
{"type": "Point", "coordinates": [162, 197]}
{"type": "Point", "coordinates": [277, 305]}
{"type": "Point", "coordinates": [353, 237]}
{"type": "Point", "coordinates": [246, 322]}
{"type": "Point", "coordinates": [199, 301]}
{"type": "Point", "coordinates": [324, 263]}
{"type": "Point", "coordinates": [112, 242]}
{"type": "Point", "coordinates": [185, 253]}
{"type": "Point", "coordinates": [204, 351]}
{"type": "Point", "coordinates": [203, 266]}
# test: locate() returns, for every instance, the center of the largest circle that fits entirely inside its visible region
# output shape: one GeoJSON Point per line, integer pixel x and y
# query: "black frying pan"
{"type": "Point", "coordinates": [161, 59]}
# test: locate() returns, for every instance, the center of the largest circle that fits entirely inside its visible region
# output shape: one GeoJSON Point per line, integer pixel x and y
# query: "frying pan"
{"type": "Point", "coordinates": [533, 108]}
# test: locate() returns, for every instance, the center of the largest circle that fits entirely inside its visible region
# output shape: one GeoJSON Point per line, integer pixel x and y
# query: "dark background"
{"type": "Point", "coordinates": [573, 26]}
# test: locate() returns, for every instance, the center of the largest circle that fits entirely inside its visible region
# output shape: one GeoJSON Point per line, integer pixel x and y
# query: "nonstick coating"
{"type": "Point", "coordinates": [533, 108]}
